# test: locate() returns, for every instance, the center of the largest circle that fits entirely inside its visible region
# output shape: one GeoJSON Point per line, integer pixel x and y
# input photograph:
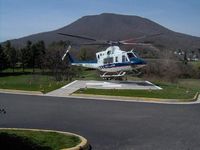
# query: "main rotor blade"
{"type": "Point", "coordinates": [78, 36]}
{"type": "Point", "coordinates": [152, 35]}
{"type": "Point", "coordinates": [94, 44]}
{"type": "Point", "coordinates": [141, 37]}
{"type": "Point", "coordinates": [140, 44]}
{"type": "Point", "coordinates": [131, 39]}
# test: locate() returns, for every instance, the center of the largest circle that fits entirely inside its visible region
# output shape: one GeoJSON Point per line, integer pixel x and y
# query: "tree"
{"type": "Point", "coordinates": [41, 52]}
{"type": "Point", "coordinates": [34, 53]}
{"type": "Point", "coordinates": [3, 59]}
{"type": "Point", "coordinates": [87, 53]}
{"type": "Point", "coordinates": [11, 54]}
{"type": "Point", "coordinates": [185, 60]}
{"type": "Point", "coordinates": [13, 57]}
{"type": "Point", "coordinates": [83, 54]}
{"type": "Point", "coordinates": [58, 67]}
{"type": "Point", "coordinates": [37, 51]}
{"type": "Point", "coordinates": [23, 58]}
{"type": "Point", "coordinates": [199, 52]}
{"type": "Point", "coordinates": [26, 56]}
{"type": "Point", "coordinates": [53, 61]}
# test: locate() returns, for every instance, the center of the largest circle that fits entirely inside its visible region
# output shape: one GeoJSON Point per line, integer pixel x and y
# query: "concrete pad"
{"type": "Point", "coordinates": [137, 85]}
{"type": "Point", "coordinates": [77, 84]}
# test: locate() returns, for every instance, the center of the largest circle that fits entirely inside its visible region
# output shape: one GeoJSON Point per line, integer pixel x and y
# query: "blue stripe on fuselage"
{"type": "Point", "coordinates": [134, 61]}
{"type": "Point", "coordinates": [115, 65]}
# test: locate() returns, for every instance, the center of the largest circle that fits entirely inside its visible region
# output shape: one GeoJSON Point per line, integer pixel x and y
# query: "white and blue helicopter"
{"type": "Point", "coordinates": [113, 62]}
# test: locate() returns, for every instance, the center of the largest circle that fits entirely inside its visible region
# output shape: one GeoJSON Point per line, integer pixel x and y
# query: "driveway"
{"type": "Point", "coordinates": [108, 125]}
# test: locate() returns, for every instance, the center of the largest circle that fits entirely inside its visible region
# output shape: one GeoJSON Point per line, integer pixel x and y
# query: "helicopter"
{"type": "Point", "coordinates": [113, 62]}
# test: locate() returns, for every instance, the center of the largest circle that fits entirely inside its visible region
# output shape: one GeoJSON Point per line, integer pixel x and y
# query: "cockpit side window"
{"type": "Point", "coordinates": [131, 55]}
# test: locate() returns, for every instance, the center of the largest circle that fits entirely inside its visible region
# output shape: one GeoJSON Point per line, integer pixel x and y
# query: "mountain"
{"type": "Point", "coordinates": [114, 27]}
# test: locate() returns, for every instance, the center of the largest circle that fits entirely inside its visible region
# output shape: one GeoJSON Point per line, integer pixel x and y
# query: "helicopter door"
{"type": "Point", "coordinates": [124, 58]}
{"type": "Point", "coordinates": [108, 60]}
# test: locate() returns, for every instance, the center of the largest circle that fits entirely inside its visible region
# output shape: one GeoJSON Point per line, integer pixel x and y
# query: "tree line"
{"type": "Point", "coordinates": [49, 60]}
{"type": "Point", "coordinates": [36, 55]}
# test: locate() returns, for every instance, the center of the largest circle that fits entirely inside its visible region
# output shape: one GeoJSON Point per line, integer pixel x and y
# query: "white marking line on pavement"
{"type": "Point", "coordinates": [154, 85]}
{"type": "Point", "coordinates": [104, 84]}
{"type": "Point", "coordinates": [98, 83]}
{"type": "Point", "coordinates": [69, 84]}
{"type": "Point", "coordinates": [112, 85]}
{"type": "Point", "coordinates": [94, 83]}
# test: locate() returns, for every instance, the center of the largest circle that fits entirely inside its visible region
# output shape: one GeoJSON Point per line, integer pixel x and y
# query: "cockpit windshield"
{"type": "Point", "coordinates": [131, 55]}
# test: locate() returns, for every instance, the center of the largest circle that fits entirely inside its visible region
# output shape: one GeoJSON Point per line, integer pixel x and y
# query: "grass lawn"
{"type": "Point", "coordinates": [43, 83]}
{"type": "Point", "coordinates": [184, 89]}
{"type": "Point", "coordinates": [52, 140]}
{"type": "Point", "coordinates": [196, 64]}
{"type": "Point", "coordinates": [26, 70]}
{"type": "Point", "coordinates": [36, 82]}
{"type": "Point", "coordinates": [89, 75]}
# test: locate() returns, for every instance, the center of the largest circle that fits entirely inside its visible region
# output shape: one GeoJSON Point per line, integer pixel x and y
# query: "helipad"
{"type": "Point", "coordinates": [77, 84]}
{"type": "Point", "coordinates": [121, 85]}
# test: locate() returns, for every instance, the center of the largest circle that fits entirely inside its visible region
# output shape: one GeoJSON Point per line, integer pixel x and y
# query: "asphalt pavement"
{"type": "Point", "coordinates": [108, 125]}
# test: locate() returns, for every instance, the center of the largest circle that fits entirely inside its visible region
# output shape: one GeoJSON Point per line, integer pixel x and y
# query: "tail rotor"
{"type": "Point", "coordinates": [67, 51]}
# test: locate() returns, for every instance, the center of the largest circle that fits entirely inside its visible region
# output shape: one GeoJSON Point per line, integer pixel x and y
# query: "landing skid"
{"type": "Point", "coordinates": [135, 72]}
{"type": "Point", "coordinates": [110, 76]}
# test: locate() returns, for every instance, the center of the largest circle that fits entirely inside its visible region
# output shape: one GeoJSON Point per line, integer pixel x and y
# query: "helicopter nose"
{"type": "Point", "coordinates": [143, 62]}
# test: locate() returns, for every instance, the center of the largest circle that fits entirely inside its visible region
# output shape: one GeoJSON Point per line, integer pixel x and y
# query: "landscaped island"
{"type": "Point", "coordinates": [36, 140]}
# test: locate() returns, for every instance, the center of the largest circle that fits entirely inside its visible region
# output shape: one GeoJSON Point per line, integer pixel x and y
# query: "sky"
{"type": "Point", "coordinates": [20, 18]}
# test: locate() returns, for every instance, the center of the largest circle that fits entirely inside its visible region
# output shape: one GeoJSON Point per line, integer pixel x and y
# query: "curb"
{"type": "Point", "coordinates": [113, 98]}
{"type": "Point", "coordinates": [10, 91]}
{"type": "Point", "coordinates": [84, 145]}
{"type": "Point", "coordinates": [139, 99]}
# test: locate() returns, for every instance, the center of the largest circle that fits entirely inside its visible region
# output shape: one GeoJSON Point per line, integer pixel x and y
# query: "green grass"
{"type": "Point", "coordinates": [185, 89]}
{"type": "Point", "coordinates": [196, 64]}
{"type": "Point", "coordinates": [43, 83]}
{"type": "Point", "coordinates": [37, 82]}
{"type": "Point", "coordinates": [20, 70]}
{"type": "Point", "coordinates": [55, 141]}
{"type": "Point", "coordinates": [89, 74]}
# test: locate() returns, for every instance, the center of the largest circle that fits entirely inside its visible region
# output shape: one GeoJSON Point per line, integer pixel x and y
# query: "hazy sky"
{"type": "Point", "coordinates": [19, 18]}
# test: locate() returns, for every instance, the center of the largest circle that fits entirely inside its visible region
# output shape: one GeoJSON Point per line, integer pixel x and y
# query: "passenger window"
{"type": "Point", "coordinates": [108, 60]}
{"type": "Point", "coordinates": [123, 58]}
{"type": "Point", "coordinates": [116, 59]}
